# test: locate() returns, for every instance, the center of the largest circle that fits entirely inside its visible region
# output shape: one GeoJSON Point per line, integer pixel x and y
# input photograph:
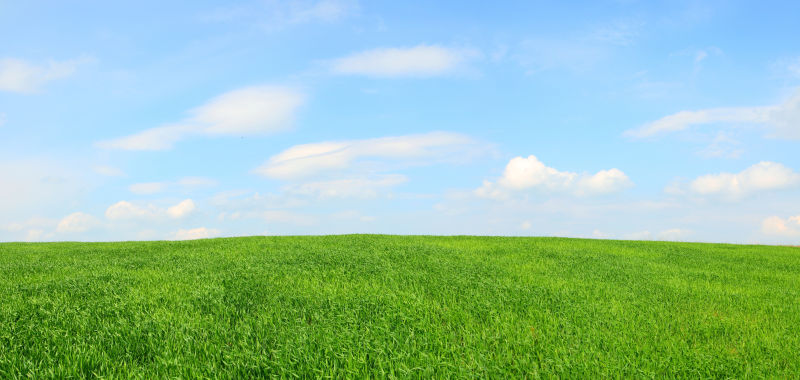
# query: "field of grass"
{"type": "Point", "coordinates": [398, 306]}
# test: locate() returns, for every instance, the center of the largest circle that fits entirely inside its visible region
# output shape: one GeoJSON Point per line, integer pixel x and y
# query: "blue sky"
{"type": "Point", "coordinates": [674, 120]}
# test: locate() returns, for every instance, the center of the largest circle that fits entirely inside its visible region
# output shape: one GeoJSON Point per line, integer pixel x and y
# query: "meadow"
{"type": "Point", "coordinates": [398, 306]}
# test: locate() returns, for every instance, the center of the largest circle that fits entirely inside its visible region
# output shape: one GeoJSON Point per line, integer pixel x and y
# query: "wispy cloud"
{"type": "Point", "coordinates": [144, 188]}
{"type": "Point", "coordinates": [20, 76]}
{"type": "Point", "coordinates": [346, 188]}
{"type": "Point", "coordinates": [722, 146]}
{"type": "Point", "coordinates": [417, 61]}
{"type": "Point", "coordinates": [782, 120]}
{"type": "Point", "coordinates": [279, 14]}
{"type": "Point", "coordinates": [247, 111]}
{"type": "Point", "coordinates": [308, 160]}
{"type": "Point", "coordinates": [577, 51]}
{"type": "Point", "coordinates": [108, 171]}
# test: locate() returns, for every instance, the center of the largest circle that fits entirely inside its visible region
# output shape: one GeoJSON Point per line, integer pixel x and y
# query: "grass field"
{"type": "Point", "coordinates": [398, 306]}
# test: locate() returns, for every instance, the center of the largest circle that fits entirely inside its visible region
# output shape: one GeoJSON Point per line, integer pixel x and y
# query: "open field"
{"type": "Point", "coordinates": [399, 306]}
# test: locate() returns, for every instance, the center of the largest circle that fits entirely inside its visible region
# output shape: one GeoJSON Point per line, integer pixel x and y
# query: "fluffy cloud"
{"type": "Point", "coordinates": [346, 188]}
{"type": "Point", "coordinates": [127, 210]}
{"type": "Point", "coordinates": [246, 111]}
{"type": "Point", "coordinates": [763, 176]}
{"type": "Point", "coordinates": [20, 76]}
{"type": "Point", "coordinates": [775, 225]}
{"type": "Point", "coordinates": [302, 161]}
{"type": "Point", "coordinates": [418, 61]}
{"type": "Point", "coordinates": [529, 173]}
{"type": "Point", "coordinates": [76, 222]}
{"type": "Point", "coordinates": [194, 233]}
{"type": "Point", "coordinates": [181, 209]}
{"type": "Point", "coordinates": [782, 120]}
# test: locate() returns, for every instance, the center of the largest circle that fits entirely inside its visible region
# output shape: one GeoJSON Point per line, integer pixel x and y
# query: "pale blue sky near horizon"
{"type": "Point", "coordinates": [673, 120]}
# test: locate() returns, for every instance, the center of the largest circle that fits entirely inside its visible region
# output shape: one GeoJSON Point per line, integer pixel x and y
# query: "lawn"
{"type": "Point", "coordinates": [399, 306]}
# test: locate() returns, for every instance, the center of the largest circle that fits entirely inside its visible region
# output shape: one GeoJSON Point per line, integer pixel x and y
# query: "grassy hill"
{"type": "Point", "coordinates": [404, 306]}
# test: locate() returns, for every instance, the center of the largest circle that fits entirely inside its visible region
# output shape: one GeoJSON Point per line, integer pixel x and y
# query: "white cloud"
{"type": "Point", "coordinates": [783, 120]}
{"type": "Point", "coordinates": [603, 182]}
{"type": "Point", "coordinates": [21, 76]}
{"type": "Point", "coordinates": [775, 225]}
{"type": "Point", "coordinates": [723, 146]}
{"type": "Point", "coordinates": [246, 111]}
{"type": "Point", "coordinates": [147, 188]}
{"type": "Point", "coordinates": [76, 222]}
{"type": "Point", "coordinates": [302, 161]}
{"type": "Point", "coordinates": [418, 61]}
{"type": "Point", "coordinates": [763, 176]}
{"type": "Point", "coordinates": [346, 188]}
{"type": "Point", "coordinates": [181, 209]}
{"type": "Point", "coordinates": [529, 173]}
{"type": "Point", "coordinates": [194, 233]}
{"type": "Point", "coordinates": [127, 210]}
{"type": "Point", "coordinates": [159, 138]}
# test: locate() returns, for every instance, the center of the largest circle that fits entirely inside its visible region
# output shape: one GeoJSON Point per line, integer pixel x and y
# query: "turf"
{"type": "Point", "coordinates": [398, 306]}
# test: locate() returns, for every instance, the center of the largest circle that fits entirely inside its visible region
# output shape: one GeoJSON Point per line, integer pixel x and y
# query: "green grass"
{"type": "Point", "coordinates": [398, 306]}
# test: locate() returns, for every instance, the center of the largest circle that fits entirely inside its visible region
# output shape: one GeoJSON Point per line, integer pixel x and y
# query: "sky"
{"type": "Point", "coordinates": [644, 120]}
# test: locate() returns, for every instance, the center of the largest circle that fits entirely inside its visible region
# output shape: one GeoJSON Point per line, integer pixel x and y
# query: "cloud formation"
{"type": "Point", "coordinates": [307, 160]}
{"type": "Point", "coordinates": [417, 61]}
{"type": "Point", "coordinates": [181, 209]}
{"type": "Point", "coordinates": [123, 210]}
{"type": "Point", "coordinates": [247, 111]}
{"type": "Point", "coordinates": [528, 173]}
{"type": "Point", "coordinates": [761, 177]}
{"type": "Point", "coordinates": [76, 222]}
{"type": "Point", "coordinates": [25, 77]}
{"type": "Point", "coordinates": [788, 227]}
{"type": "Point", "coordinates": [782, 120]}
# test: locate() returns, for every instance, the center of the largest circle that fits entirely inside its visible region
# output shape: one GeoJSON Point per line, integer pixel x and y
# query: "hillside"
{"type": "Point", "coordinates": [405, 306]}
